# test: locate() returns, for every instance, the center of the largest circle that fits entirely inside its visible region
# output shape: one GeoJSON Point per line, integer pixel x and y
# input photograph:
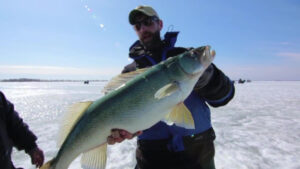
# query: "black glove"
{"type": "Point", "coordinates": [214, 85]}
{"type": "Point", "coordinates": [205, 78]}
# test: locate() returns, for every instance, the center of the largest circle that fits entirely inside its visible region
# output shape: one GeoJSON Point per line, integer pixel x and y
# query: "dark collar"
{"type": "Point", "coordinates": [137, 49]}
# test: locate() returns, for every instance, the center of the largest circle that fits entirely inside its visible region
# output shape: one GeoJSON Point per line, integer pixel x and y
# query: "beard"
{"type": "Point", "coordinates": [151, 40]}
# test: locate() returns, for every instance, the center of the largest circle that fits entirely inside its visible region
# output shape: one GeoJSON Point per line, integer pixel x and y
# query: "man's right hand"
{"type": "Point", "coordinates": [119, 135]}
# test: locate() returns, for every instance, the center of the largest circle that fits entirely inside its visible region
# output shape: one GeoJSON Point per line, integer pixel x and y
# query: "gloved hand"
{"type": "Point", "coordinates": [214, 85]}
{"type": "Point", "coordinates": [205, 78]}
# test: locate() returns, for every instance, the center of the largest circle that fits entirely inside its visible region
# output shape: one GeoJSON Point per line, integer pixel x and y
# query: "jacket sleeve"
{"type": "Point", "coordinates": [18, 131]}
{"type": "Point", "coordinates": [215, 87]}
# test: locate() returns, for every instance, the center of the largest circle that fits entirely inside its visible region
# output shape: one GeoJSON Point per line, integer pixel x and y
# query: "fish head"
{"type": "Point", "coordinates": [197, 60]}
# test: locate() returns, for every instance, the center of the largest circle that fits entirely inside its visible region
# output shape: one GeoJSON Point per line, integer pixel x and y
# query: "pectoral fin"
{"type": "Point", "coordinates": [95, 158]}
{"type": "Point", "coordinates": [181, 116]}
{"type": "Point", "coordinates": [167, 90]}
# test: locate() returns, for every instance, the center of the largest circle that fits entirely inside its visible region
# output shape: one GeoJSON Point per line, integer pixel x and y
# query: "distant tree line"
{"type": "Point", "coordinates": [43, 80]}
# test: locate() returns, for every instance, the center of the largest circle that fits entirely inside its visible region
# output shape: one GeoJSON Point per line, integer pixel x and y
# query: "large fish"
{"type": "Point", "coordinates": [134, 101]}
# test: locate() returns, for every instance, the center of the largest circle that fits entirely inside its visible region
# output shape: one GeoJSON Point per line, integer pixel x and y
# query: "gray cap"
{"type": "Point", "coordinates": [146, 10]}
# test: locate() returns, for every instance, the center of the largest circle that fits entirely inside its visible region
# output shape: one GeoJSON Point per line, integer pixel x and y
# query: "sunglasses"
{"type": "Point", "coordinates": [146, 22]}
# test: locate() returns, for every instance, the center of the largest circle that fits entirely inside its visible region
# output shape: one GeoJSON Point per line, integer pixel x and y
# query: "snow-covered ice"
{"type": "Point", "coordinates": [258, 129]}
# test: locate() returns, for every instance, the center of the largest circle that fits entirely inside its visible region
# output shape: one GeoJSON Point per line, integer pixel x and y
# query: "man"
{"type": "Point", "coordinates": [14, 132]}
{"type": "Point", "coordinates": [173, 147]}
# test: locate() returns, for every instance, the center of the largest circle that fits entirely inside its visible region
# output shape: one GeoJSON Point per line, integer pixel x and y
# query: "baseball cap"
{"type": "Point", "coordinates": [146, 10]}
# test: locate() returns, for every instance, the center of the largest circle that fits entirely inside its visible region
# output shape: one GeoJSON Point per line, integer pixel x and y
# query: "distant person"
{"type": "Point", "coordinates": [171, 147]}
{"type": "Point", "coordinates": [15, 133]}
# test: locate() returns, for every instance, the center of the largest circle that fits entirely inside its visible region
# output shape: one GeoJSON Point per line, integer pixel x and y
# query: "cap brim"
{"type": "Point", "coordinates": [136, 12]}
{"type": "Point", "coordinates": [132, 16]}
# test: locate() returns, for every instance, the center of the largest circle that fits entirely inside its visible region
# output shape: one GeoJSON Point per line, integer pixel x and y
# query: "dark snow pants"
{"type": "Point", "coordinates": [198, 154]}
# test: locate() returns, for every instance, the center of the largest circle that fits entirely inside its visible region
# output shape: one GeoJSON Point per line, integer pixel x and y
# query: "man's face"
{"type": "Point", "coordinates": [148, 29]}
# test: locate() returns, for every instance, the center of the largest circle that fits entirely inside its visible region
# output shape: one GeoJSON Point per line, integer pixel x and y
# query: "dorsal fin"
{"type": "Point", "coordinates": [120, 80]}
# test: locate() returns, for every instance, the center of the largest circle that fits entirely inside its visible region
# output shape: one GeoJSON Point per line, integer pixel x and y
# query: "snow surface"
{"type": "Point", "coordinates": [258, 129]}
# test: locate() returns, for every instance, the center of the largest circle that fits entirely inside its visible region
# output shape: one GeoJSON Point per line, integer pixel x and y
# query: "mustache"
{"type": "Point", "coordinates": [147, 34]}
{"type": "Point", "coordinates": [154, 39]}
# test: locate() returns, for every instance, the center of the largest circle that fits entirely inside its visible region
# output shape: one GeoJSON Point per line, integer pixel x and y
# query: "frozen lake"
{"type": "Point", "coordinates": [258, 129]}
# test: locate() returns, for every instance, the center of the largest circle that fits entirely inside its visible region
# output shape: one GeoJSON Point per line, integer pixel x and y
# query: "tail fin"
{"type": "Point", "coordinates": [48, 165]}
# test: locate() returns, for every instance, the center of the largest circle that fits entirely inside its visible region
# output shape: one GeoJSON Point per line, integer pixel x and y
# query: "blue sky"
{"type": "Point", "coordinates": [89, 39]}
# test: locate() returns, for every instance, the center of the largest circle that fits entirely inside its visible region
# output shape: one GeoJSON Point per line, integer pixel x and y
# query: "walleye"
{"type": "Point", "coordinates": [134, 101]}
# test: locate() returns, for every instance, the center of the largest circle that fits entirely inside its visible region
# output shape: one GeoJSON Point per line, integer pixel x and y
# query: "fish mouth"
{"type": "Point", "coordinates": [205, 55]}
{"type": "Point", "coordinates": [209, 52]}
